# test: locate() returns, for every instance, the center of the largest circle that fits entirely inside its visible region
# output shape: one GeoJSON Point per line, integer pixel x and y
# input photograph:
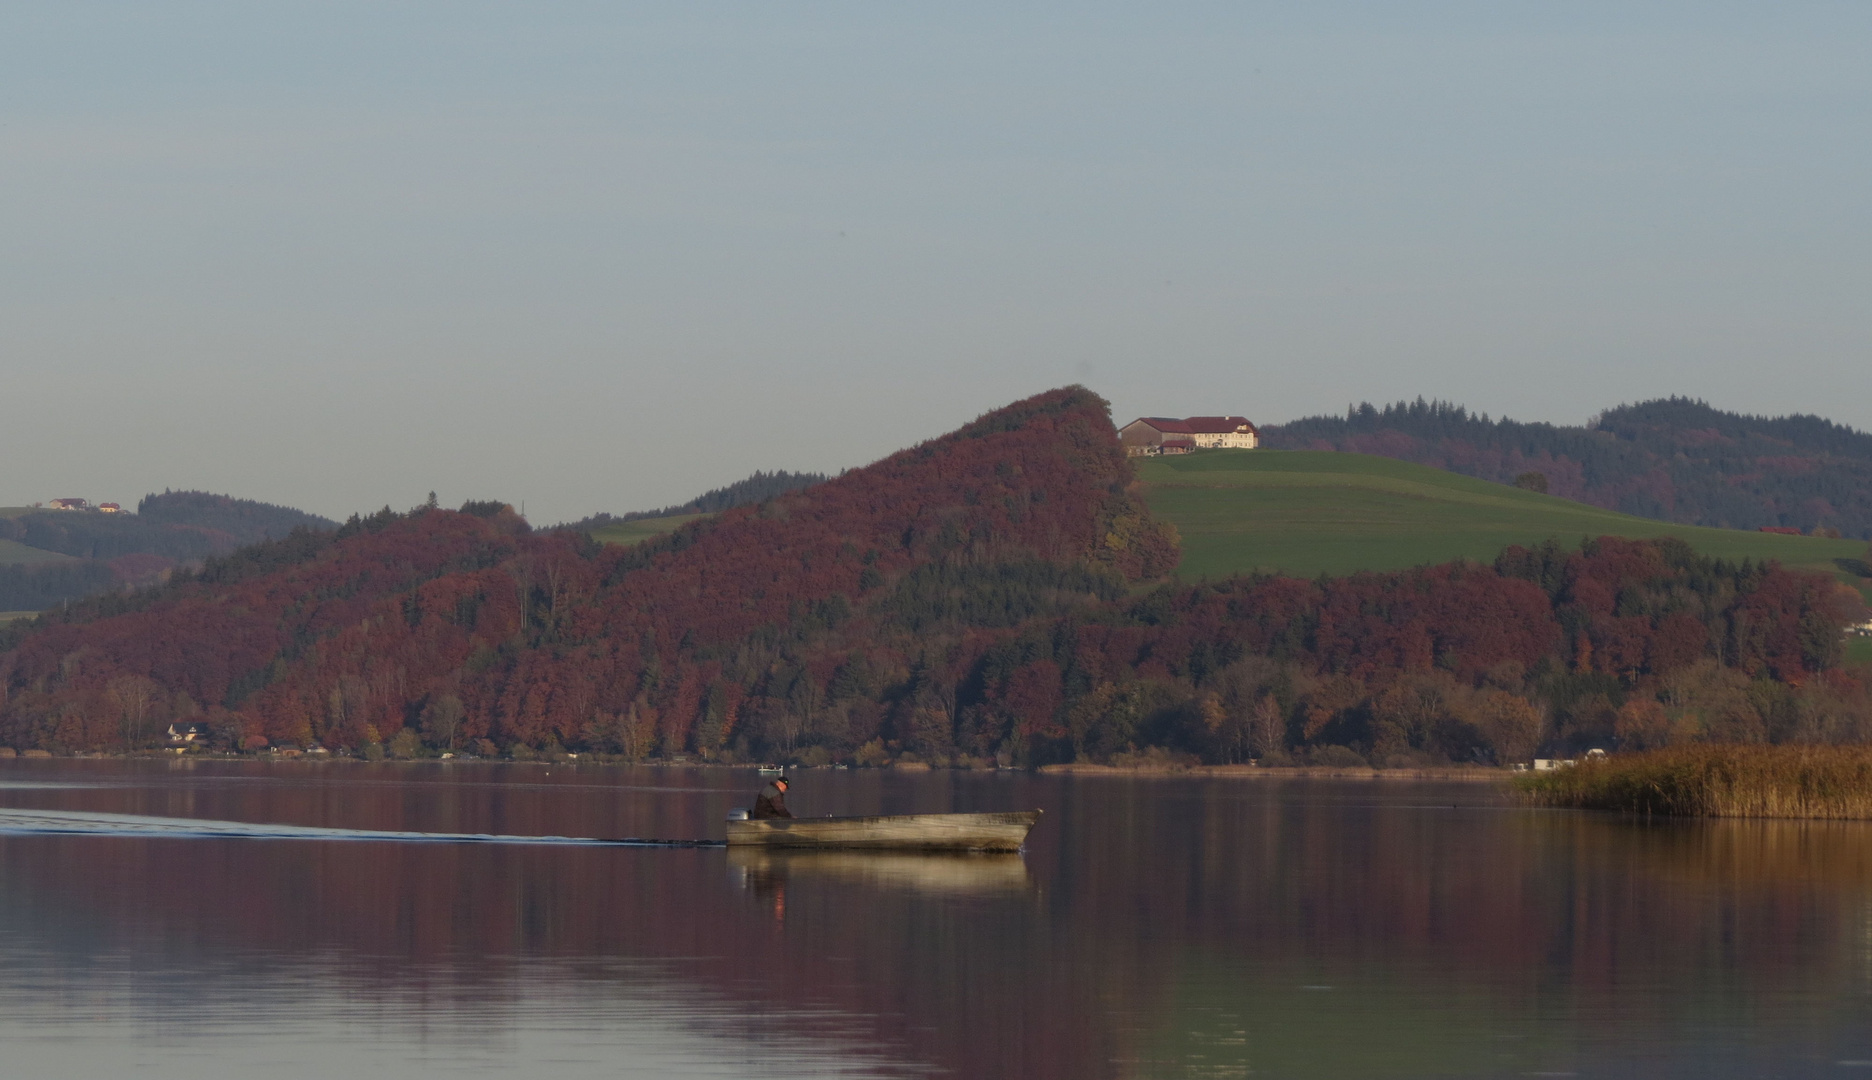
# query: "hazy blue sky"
{"type": "Point", "coordinates": [602, 256]}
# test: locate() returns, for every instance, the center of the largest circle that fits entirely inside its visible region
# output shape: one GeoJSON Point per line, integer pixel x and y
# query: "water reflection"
{"type": "Point", "coordinates": [959, 874]}
{"type": "Point", "coordinates": [1155, 928]}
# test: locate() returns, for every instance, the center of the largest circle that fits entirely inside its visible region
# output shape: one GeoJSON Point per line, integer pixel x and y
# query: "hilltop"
{"type": "Point", "coordinates": [244, 521]}
{"type": "Point", "coordinates": [640, 525]}
{"type": "Point", "coordinates": [1673, 459]}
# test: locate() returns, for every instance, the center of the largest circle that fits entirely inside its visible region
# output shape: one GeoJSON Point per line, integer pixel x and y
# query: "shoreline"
{"type": "Point", "coordinates": [1154, 771]}
{"type": "Point", "coordinates": [1464, 773]}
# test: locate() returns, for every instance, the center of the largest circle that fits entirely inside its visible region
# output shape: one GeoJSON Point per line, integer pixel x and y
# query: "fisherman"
{"type": "Point", "coordinates": [772, 801]}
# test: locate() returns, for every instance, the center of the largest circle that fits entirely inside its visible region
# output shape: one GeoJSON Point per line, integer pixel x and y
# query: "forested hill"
{"type": "Point", "coordinates": [107, 551]}
{"type": "Point", "coordinates": [998, 594]}
{"type": "Point", "coordinates": [245, 521]}
{"type": "Point", "coordinates": [1674, 459]}
{"type": "Point", "coordinates": [178, 526]}
{"type": "Point", "coordinates": [756, 488]}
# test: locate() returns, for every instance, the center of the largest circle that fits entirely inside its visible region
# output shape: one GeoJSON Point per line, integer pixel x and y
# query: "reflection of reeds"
{"type": "Point", "coordinates": [1716, 781]}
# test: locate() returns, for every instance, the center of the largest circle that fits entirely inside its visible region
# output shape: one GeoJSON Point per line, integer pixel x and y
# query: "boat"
{"type": "Point", "coordinates": [894, 832]}
{"type": "Point", "coordinates": [770, 770]}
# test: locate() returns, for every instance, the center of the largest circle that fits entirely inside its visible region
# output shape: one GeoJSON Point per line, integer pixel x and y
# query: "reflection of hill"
{"type": "Point", "coordinates": [461, 922]}
{"type": "Point", "coordinates": [1151, 920]}
{"type": "Point", "coordinates": [933, 874]}
{"type": "Point", "coordinates": [458, 922]}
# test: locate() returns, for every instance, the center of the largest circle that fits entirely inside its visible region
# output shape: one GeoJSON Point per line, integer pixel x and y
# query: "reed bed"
{"type": "Point", "coordinates": [1829, 782]}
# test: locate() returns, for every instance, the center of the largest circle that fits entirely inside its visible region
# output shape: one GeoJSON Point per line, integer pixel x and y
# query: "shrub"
{"type": "Point", "coordinates": [405, 745]}
{"type": "Point", "coordinates": [1334, 756]}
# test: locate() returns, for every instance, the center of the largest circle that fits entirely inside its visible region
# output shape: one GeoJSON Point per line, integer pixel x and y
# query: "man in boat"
{"type": "Point", "coordinates": [772, 801]}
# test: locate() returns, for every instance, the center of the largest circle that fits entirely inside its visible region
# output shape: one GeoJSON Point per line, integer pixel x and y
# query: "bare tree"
{"type": "Point", "coordinates": [1267, 727]}
{"type": "Point", "coordinates": [442, 719]}
{"type": "Point", "coordinates": [133, 696]}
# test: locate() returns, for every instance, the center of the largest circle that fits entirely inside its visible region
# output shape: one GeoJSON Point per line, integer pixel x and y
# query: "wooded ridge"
{"type": "Point", "coordinates": [996, 595]}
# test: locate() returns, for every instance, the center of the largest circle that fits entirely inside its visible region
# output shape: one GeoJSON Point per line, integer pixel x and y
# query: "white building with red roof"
{"type": "Point", "coordinates": [1159, 434]}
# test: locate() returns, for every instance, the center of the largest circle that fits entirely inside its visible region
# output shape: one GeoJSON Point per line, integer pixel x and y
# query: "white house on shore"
{"type": "Point", "coordinates": [1151, 435]}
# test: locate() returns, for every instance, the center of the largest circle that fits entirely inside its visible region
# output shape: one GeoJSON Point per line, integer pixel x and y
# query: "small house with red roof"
{"type": "Point", "coordinates": [1151, 435]}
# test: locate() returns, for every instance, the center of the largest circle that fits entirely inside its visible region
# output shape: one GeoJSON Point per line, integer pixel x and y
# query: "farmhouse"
{"type": "Point", "coordinates": [69, 504]}
{"type": "Point", "coordinates": [1151, 435]}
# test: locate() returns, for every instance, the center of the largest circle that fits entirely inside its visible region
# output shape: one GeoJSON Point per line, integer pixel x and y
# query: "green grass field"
{"type": "Point", "coordinates": [1304, 512]}
{"type": "Point", "coordinates": [629, 533]}
{"type": "Point", "coordinates": [14, 552]}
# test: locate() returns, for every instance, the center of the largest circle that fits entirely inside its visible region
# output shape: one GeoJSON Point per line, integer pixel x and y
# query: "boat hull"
{"type": "Point", "coordinates": [898, 832]}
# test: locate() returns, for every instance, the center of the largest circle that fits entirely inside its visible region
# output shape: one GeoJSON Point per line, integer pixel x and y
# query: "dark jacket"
{"type": "Point", "coordinates": [770, 804]}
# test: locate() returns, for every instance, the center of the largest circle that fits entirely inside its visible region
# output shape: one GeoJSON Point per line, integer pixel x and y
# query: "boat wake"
{"type": "Point", "coordinates": [73, 823]}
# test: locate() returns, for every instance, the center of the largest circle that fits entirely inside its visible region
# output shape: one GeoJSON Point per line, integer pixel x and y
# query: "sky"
{"type": "Point", "coordinates": [601, 257]}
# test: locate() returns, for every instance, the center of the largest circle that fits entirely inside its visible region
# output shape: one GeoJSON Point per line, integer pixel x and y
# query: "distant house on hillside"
{"type": "Point", "coordinates": [68, 504]}
{"type": "Point", "coordinates": [109, 508]}
{"type": "Point", "coordinates": [1151, 435]}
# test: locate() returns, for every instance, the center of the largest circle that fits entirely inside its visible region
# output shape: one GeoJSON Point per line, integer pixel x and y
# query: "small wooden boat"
{"type": "Point", "coordinates": [897, 832]}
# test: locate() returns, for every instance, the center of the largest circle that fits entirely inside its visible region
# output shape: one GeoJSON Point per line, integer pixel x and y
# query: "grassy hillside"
{"type": "Point", "coordinates": [1305, 512]}
{"type": "Point", "coordinates": [12, 552]}
{"type": "Point", "coordinates": [1675, 459]}
{"type": "Point", "coordinates": [637, 530]}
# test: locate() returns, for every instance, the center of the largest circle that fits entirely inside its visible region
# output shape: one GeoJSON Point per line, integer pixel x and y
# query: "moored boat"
{"type": "Point", "coordinates": [898, 832]}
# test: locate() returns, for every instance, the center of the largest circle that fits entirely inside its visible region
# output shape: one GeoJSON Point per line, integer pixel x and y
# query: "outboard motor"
{"type": "Point", "coordinates": [739, 813]}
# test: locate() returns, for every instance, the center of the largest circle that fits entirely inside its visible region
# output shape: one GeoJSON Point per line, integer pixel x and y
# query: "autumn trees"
{"type": "Point", "coordinates": [995, 595]}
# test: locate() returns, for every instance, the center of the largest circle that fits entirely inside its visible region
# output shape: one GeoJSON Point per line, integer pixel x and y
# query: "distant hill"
{"type": "Point", "coordinates": [48, 557]}
{"type": "Point", "coordinates": [1307, 512]}
{"type": "Point", "coordinates": [245, 520]}
{"type": "Point", "coordinates": [1673, 459]}
{"type": "Point", "coordinates": [757, 488]}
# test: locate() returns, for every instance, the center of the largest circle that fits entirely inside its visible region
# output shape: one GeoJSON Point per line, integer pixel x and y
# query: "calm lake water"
{"type": "Point", "coordinates": [1154, 928]}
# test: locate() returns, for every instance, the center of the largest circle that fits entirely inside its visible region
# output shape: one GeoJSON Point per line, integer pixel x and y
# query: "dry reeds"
{"type": "Point", "coordinates": [1832, 782]}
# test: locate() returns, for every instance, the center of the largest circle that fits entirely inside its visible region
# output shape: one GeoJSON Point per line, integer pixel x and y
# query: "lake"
{"type": "Point", "coordinates": [1154, 928]}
